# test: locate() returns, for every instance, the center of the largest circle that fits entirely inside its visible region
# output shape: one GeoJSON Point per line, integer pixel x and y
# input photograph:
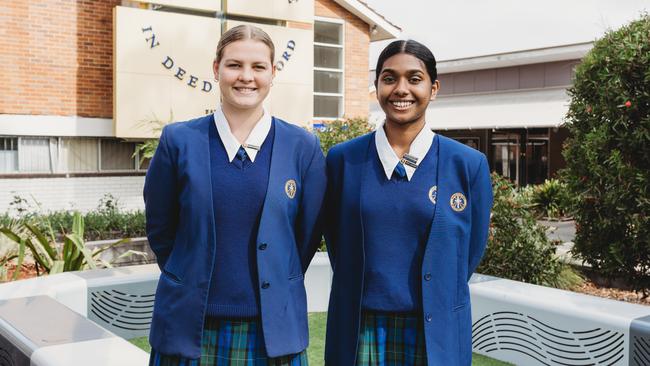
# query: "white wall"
{"type": "Point", "coordinates": [78, 193]}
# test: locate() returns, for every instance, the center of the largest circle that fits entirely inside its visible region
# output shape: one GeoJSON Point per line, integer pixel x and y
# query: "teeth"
{"type": "Point", "coordinates": [245, 90]}
{"type": "Point", "coordinates": [402, 104]}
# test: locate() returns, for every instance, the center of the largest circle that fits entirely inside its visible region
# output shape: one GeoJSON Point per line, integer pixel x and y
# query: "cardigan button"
{"type": "Point", "coordinates": [429, 317]}
{"type": "Point", "coordinates": [265, 285]}
{"type": "Point", "coordinates": [262, 246]}
{"type": "Point", "coordinates": [427, 277]}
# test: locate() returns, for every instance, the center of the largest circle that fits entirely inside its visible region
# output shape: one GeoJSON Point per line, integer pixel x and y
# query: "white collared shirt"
{"type": "Point", "coordinates": [418, 149]}
{"type": "Point", "coordinates": [256, 137]}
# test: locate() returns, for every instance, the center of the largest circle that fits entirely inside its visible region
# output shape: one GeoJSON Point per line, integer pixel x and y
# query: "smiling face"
{"type": "Point", "coordinates": [404, 89]}
{"type": "Point", "coordinates": [245, 72]}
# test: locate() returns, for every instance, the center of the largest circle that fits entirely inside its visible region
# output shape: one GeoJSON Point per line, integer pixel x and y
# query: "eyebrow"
{"type": "Point", "coordinates": [412, 71]}
{"type": "Point", "coordinates": [239, 61]}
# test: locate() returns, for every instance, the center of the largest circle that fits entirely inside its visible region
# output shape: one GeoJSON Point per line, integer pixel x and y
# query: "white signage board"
{"type": "Point", "coordinates": [162, 69]}
{"type": "Point", "coordinates": [205, 5]}
{"type": "Point", "coordinates": [293, 10]}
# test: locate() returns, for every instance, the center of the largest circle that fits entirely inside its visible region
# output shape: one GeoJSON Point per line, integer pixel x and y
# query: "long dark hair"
{"type": "Point", "coordinates": [410, 47]}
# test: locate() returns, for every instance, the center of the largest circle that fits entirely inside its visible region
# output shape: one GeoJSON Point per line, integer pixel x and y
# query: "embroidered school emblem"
{"type": "Point", "coordinates": [290, 188]}
{"type": "Point", "coordinates": [433, 194]}
{"type": "Point", "coordinates": [458, 202]}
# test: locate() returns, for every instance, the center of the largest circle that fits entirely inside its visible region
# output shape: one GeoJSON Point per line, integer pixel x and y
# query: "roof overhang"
{"type": "Point", "coordinates": [521, 109]}
{"type": "Point", "coordinates": [549, 54]}
{"type": "Point", "coordinates": [380, 28]}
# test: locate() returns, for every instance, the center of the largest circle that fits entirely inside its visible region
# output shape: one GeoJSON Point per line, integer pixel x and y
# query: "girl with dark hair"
{"type": "Point", "coordinates": [407, 217]}
{"type": "Point", "coordinates": [232, 201]}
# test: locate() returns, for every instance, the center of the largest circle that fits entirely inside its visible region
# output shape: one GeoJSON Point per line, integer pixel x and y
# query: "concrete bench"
{"type": "Point", "coordinates": [533, 325]}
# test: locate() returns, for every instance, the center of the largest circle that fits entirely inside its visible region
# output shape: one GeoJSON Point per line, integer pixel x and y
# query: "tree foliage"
{"type": "Point", "coordinates": [608, 155]}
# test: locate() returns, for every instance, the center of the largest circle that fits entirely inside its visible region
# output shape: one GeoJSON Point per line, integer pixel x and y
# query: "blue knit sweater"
{"type": "Point", "coordinates": [239, 190]}
{"type": "Point", "coordinates": [397, 216]}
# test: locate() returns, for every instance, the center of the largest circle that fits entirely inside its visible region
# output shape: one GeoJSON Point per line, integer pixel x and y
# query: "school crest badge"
{"type": "Point", "coordinates": [458, 202]}
{"type": "Point", "coordinates": [290, 188]}
{"type": "Point", "coordinates": [433, 194]}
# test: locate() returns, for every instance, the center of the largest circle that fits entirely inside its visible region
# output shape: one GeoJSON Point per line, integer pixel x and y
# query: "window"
{"type": "Point", "coordinates": [328, 69]}
{"type": "Point", "coordinates": [79, 155]}
{"type": "Point", "coordinates": [67, 155]}
{"type": "Point", "coordinates": [34, 155]}
{"type": "Point", "coordinates": [117, 155]}
{"type": "Point", "coordinates": [8, 154]}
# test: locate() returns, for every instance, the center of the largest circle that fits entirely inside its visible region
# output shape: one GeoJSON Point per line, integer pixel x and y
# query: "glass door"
{"type": "Point", "coordinates": [506, 155]}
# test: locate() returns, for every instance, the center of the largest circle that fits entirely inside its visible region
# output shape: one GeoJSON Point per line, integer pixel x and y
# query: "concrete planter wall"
{"type": "Point", "coordinates": [79, 318]}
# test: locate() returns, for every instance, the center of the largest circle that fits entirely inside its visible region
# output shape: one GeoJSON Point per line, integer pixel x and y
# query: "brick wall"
{"type": "Point", "coordinates": [78, 193]}
{"type": "Point", "coordinates": [56, 57]}
{"type": "Point", "coordinates": [357, 42]}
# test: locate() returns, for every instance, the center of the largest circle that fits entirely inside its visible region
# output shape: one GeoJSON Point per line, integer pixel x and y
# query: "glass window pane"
{"type": "Point", "coordinates": [328, 57]}
{"type": "Point", "coordinates": [8, 154]}
{"type": "Point", "coordinates": [117, 155]}
{"type": "Point", "coordinates": [328, 82]}
{"type": "Point", "coordinates": [34, 154]}
{"type": "Point", "coordinates": [328, 107]}
{"type": "Point", "coordinates": [79, 155]}
{"type": "Point", "coordinates": [325, 32]}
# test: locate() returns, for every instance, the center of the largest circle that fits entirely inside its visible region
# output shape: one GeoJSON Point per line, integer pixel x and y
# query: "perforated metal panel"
{"type": "Point", "coordinates": [125, 309]}
{"type": "Point", "coordinates": [546, 344]}
{"type": "Point", "coordinates": [640, 342]}
{"type": "Point", "coordinates": [10, 355]}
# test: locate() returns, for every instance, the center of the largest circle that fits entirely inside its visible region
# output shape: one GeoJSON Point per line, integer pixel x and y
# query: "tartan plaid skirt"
{"type": "Point", "coordinates": [230, 342]}
{"type": "Point", "coordinates": [391, 339]}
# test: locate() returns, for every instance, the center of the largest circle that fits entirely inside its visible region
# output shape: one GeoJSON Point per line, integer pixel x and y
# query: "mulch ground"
{"type": "Point", "coordinates": [28, 270]}
{"type": "Point", "coordinates": [590, 288]}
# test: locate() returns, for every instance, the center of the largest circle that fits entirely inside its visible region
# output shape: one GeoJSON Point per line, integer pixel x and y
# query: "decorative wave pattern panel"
{"type": "Point", "coordinates": [125, 313]}
{"type": "Point", "coordinates": [545, 344]}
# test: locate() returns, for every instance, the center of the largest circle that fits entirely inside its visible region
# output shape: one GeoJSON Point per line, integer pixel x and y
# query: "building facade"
{"type": "Point", "coordinates": [83, 82]}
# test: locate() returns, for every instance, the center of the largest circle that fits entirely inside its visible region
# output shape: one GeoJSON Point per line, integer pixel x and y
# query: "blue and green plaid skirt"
{"type": "Point", "coordinates": [391, 339]}
{"type": "Point", "coordinates": [230, 342]}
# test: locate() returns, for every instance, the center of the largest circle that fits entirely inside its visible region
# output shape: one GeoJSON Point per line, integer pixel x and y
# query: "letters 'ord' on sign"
{"type": "Point", "coordinates": [162, 69]}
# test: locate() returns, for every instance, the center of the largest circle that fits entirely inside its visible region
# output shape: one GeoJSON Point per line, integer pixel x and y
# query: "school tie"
{"type": "Point", "coordinates": [399, 171]}
{"type": "Point", "coordinates": [241, 154]}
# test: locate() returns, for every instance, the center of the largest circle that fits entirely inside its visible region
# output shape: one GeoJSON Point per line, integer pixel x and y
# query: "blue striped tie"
{"type": "Point", "coordinates": [241, 154]}
{"type": "Point", "coordinates": [400, 171]}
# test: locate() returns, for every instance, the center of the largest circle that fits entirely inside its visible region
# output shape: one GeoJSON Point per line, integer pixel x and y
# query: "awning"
{"type": "Point", "coordinates": [521, 109]}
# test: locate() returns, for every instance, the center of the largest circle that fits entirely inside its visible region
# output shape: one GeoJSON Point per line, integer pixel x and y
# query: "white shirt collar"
{"type": "Point", "coordinates": [418, 149]}
{"type": "Point", "coordinates": [255, 138]}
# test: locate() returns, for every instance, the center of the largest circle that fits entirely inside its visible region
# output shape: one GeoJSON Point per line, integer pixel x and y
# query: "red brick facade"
{"type": "Point", "coordinates": [357, 43]}
{"type": "Point", "coordinates": [56, 57]}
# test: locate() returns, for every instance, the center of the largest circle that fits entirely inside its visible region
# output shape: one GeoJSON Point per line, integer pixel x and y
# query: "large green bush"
{"type": "Point", "coordinates": [518, 248]}
{"type": "Point", "coordinates": [608, 155]}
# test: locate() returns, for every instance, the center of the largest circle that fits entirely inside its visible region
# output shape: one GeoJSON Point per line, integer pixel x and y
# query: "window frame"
{"type": "Point", "coordinates": [341, 46]}
{"type": "Point", "coordinates": [57, 165]}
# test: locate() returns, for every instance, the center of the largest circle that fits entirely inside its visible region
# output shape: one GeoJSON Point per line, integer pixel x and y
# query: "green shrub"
{"type": "Point", "coordinates": [339, 131]}
{"type": "Point", "coordinates": [518, 248]}
{"type": "Point", "coordinates": [550, 199]}
{"type": "Point", "coordinates": [608, 155]}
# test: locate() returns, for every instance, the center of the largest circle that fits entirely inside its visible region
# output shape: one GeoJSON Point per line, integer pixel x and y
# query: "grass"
{"type": "Point", "coordinates": [317, 323]}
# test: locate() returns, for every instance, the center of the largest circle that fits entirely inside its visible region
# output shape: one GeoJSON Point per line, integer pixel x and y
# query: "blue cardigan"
{"type": "Point", "coordinates": [181, 232]}
{"type": "Point", "coordinates": [455, 244]}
